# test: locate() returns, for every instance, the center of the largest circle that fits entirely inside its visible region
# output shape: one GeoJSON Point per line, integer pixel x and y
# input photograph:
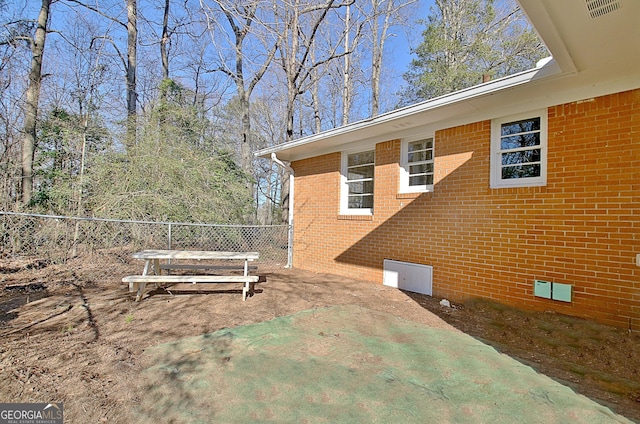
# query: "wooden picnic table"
{"type": "Point", "coordinates": [158, 260]}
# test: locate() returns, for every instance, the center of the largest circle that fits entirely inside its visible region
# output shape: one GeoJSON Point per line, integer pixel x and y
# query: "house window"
{"type": "Point", "coordinates": [416, 173]}
{"type": "Point", "coordinates": [519, 151]}
{"type": "Point", "coordinates": [357, 172]}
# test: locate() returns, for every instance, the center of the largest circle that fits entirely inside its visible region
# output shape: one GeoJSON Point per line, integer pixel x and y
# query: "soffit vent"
{"type": "Point", "coordinates": [599, 8]}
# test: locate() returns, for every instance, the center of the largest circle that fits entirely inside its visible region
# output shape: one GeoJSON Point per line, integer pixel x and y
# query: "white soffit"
{"type": "Point", "coordinates": [583, 34]}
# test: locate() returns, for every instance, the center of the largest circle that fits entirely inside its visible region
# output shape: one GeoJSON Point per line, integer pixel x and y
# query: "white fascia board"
{"type": "Point", "coordinates": [392, 121]}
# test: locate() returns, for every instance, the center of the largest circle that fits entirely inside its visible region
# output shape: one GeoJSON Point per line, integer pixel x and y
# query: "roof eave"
{"type": "Point", "coordinates": [535, 11]}
{"type": "Point", "coordinates": [386, 122]}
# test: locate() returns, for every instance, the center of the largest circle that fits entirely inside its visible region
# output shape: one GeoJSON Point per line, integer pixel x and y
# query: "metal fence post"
{"type": "Point", "coordinates": [169, 237]}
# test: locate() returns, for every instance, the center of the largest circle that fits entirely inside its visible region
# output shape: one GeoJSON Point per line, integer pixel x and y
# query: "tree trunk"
{"type": "Point", "coordinates": [33, 95]}
{"type": "Point", "coordinates": [132, 44]}
{"type": "Point", "coordinates": [346, 86]}
{"type": "Point", "coordinates": [240, 19]}
{"type": "Point", "coordinates": [378, 50]}
{"type": "Point", "coordinates": [164, 55]}
{"type": "Point", "coordinates": [284, 196]}
{"type": "Point", "coordinates": [315, 96]}
{"type": "Point", "coordinates": [243, 96]}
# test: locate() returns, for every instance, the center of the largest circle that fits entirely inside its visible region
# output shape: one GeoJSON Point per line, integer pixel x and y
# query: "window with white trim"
{"type": "Point", "coordinates": [357, 174]}
{"type": "Point", "coordinates": [416, 172]}
{"type": "Point", "coordinates": [519, 150]}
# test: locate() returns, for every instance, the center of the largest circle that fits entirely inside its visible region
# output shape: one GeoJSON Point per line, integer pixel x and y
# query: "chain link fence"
{"type": "Point", "coordinates": [93, 241]}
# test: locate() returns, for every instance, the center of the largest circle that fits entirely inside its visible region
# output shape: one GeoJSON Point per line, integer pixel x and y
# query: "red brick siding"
{"type": "Point", "coordinates": [582, 228]}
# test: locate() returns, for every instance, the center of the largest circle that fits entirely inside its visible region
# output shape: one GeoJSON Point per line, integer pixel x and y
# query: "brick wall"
{"type": "Point", "coordinates": [582, 228]}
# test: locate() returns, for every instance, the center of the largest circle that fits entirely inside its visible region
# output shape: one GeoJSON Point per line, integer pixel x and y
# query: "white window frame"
{"type": "Point", "coordinates": [496, 180]}
{"type": "Point", "coordinates": [344, 191]}
{"type": "Point", "coordinates": [404, 166]}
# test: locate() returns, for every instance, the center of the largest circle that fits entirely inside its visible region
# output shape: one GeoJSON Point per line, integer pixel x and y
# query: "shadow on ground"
{"type": "Point", "coordinates": [350, 364]}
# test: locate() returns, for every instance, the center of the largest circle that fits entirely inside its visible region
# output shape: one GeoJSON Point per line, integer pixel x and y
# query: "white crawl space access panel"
{"type": "Point", "coordinates": [408, 276]}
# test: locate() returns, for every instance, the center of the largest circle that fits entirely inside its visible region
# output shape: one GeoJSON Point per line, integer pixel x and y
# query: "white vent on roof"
{"type": "Point", "coordinates": [599, 8]}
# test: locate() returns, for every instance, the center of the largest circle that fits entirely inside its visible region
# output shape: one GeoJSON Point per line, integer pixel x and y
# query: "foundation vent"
{"type": "Point", "coordinates": [408, 276]}
{"type": "Point", "coordinates": [599, 8]}
{"type": "Point", "coordinates": [555, 291]}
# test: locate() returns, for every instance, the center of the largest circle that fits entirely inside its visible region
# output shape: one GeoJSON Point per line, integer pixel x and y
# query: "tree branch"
{"type": "Point", "coordinates": [99, 12]}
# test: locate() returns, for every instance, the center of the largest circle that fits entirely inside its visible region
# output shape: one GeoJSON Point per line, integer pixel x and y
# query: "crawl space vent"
{"type": "Point", "coordinates": [599, 8]}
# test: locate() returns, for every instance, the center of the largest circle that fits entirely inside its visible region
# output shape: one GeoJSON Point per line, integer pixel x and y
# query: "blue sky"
{"type": "Point", "coordinates": [409, 36]}
{"type": "Point", "coordinates": [398, 48]}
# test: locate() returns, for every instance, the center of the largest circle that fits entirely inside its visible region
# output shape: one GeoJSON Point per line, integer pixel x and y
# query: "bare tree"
{"type": "Point", "coordinates": [385, 14]}
{"type": "Point", "coordinates": [366, 26]}
{"type": "Point", "coordinates": [176, 22]}
{"type": "Point", "coordinates": [10, 119]}
{"type": "Point", "coordinates": [132, 57]}
{"type": "Point", "coordinates": [33, 96]}
{"type": "Point", "coordinates": [164, 40]}
{"type": "Point", "coordinates": [298, 24]}
{"type": "Point", "coordinates": [241, 17]}
{"type": "Point", "coordinates": [129, 60]}
{"type": "Point", "coordinates": [304, 60]}
{"type": "Point", "coordinates": [267, 113]}
{"type": "Point", "coordinates": [350, 44]}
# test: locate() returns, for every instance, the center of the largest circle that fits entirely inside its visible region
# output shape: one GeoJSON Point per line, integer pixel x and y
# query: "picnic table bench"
{"type": "Point", "coordinates": [152, 271]}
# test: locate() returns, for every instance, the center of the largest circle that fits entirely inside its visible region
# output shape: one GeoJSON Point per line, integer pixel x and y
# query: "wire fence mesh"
{"type": "Point", "coordinates": [90, 244]}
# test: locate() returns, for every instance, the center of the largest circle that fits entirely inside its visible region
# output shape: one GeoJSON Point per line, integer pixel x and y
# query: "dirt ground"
{"type": "Point", "coordinates": [72, 333]}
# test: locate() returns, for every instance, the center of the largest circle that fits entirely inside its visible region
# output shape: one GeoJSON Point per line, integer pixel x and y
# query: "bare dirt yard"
{"type": "Point", "coordinates": [72, 333]}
